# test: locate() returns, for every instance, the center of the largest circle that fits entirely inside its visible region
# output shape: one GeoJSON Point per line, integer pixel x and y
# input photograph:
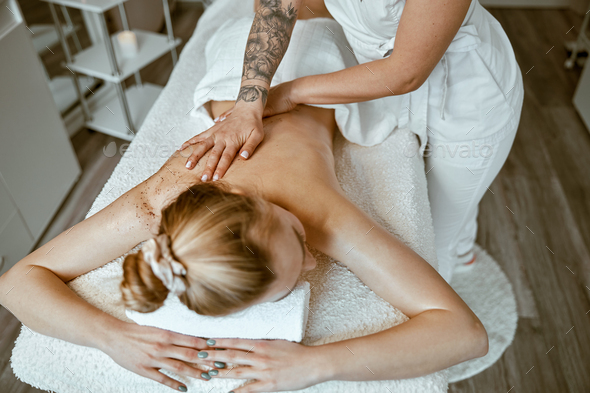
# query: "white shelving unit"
{"type": "Point", "coordinates": [44, 36]}
{"type": "Point", "coordinates": [123, 115]}
{"type": "Point", "coordinates": [140, 98]}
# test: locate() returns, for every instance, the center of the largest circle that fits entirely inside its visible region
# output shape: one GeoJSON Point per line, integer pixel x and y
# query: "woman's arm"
{"type": "Point", "coordinates": [425, 31]}
{"type": "Point", "coordinates": [34, 290]}
{"type": "Point", "coordinates": [442, 330]}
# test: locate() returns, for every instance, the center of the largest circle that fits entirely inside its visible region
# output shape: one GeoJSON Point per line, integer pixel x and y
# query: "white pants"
{"type": "Point", "coordinates": [459, 173]}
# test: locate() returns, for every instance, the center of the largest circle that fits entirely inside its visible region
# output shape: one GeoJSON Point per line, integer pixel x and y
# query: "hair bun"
{"type": "Point", "coordinates": [156, 252]}
{"type": "Point", "coordinates": [150, 275]}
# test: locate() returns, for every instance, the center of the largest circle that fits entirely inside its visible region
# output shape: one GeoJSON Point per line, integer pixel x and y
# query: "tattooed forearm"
{"type": "Point", "coordinates": [251, 93]}
{"type": "Point", "coordinates": [268, 39]}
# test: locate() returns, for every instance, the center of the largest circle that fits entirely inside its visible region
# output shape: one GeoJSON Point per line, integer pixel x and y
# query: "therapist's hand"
{"type": "Point", "coordinates": [144, 350]}
{"type": "Point", "coordinates": [241, 132]}
{"type": "Point", "coordinates": [275, 365]}
{"type": "Point", "coordinates": [281, 99]}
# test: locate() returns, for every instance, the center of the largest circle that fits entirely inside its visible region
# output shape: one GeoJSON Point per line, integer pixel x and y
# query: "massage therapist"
{"type": "Point", "coordinates": [449, 63]}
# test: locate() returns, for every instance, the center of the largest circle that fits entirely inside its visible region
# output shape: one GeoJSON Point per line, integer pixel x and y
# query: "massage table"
{"type": "Point", "coordinates": [341, 306]}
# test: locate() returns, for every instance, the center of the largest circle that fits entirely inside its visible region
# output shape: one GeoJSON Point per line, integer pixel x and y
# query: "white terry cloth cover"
{"type": "Point", "coordinates": [381, 180]}
{"type": "Point", "coordinates": [257, 322]}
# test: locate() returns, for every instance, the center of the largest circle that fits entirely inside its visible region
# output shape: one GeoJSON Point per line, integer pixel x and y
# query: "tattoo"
{"type": "Point", "coordinates": [268, 40]}
{"type": "Point", "coordinates": [251, 93]}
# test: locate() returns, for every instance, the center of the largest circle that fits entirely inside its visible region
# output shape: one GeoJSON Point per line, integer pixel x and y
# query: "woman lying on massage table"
{"type": "Point", "coordinates": [241, 241]}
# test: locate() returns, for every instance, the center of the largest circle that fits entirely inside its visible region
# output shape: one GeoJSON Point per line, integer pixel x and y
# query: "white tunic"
{"type": "Point", "coordinates": [472, 92]}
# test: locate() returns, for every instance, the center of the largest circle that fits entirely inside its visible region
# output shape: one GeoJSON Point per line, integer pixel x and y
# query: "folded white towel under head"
{"type": "Point", "coordinates": [285, 319]}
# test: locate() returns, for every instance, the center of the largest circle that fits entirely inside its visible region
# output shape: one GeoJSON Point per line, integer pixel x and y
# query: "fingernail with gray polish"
{"type": "Point", "coordinates": [206, 376]}
{"type": "Point", "coordinates": [202, 355]}
{"type": "Point", "coordinates": [182, 388]}
{"type": "Point", "coordinates": [210, 342]}
{"type": "Point", "coordinates": [213, 372]}
{"type": "Point", "coordinates": [219, 364]}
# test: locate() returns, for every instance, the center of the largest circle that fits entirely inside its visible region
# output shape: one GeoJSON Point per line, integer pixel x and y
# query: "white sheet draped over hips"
{"type": "Point", "coordinates": [468, 111]}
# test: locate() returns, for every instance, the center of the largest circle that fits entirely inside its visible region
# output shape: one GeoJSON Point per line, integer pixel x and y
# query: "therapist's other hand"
{"type": "Point", "coordinates": [144, 350]}
{"type": "Point", "coordinates": [275, 365]}
{"type": "Point", "coordinates": [242, 132]}
{"type": "Point", "coordinates": [281, 99]}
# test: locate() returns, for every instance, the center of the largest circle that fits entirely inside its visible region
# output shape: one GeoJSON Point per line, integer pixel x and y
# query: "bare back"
{"type": "Point", "coordinates": [293, 167]}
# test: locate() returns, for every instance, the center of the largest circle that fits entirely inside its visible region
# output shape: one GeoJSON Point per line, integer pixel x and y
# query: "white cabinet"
{"type": "Point", "coordinates": [15, 242]}
{"type": "Point", "coordinates": [105, 60]}
{"type": "Point", "coordinates": [7, 208]}
{"type": "Point", "coordinates": [37, 163]}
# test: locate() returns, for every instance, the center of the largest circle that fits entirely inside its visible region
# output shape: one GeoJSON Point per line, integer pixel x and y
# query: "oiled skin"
{"type": "Point", "coordinates": [293, 167]}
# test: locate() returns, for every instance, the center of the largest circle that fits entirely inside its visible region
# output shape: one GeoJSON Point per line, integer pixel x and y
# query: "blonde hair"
{"type": "Point", "coordinates": [223, 241]}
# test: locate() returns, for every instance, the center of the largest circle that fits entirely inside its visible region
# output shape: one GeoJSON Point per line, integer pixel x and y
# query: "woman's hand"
{"type": "Point", "coordinates": [145, 349]}
{"type": "Point", "coordinates": [275, 365]}
{"type": "Point", "coordinates": [243, 130]}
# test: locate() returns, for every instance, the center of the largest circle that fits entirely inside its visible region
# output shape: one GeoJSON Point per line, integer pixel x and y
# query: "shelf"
{"type": "Point", "coordinates": [109, 118]}
{"type": "Point", "coordinates": [45, 36]}
{"type": "Point", "coordinates": [64, 91]}
{"type": "Point", "coordinates": [94, 61]}
{"type": "Point", "coordinates": [88, 5]}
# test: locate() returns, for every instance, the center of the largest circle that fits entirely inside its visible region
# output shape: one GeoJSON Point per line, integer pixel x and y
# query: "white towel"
{"type": "Point", "coordinates": [381, 180]}
{"type": "Point", "coordinates": [285, 319]}
{"type": "Point", "coordinates": [317, 46]}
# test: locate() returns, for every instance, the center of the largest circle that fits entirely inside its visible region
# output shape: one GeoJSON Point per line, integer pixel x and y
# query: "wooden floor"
{"type": "Point", "coordinates": [543, 241]}
{"type": "Point", "coordinates": [535, 221]}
